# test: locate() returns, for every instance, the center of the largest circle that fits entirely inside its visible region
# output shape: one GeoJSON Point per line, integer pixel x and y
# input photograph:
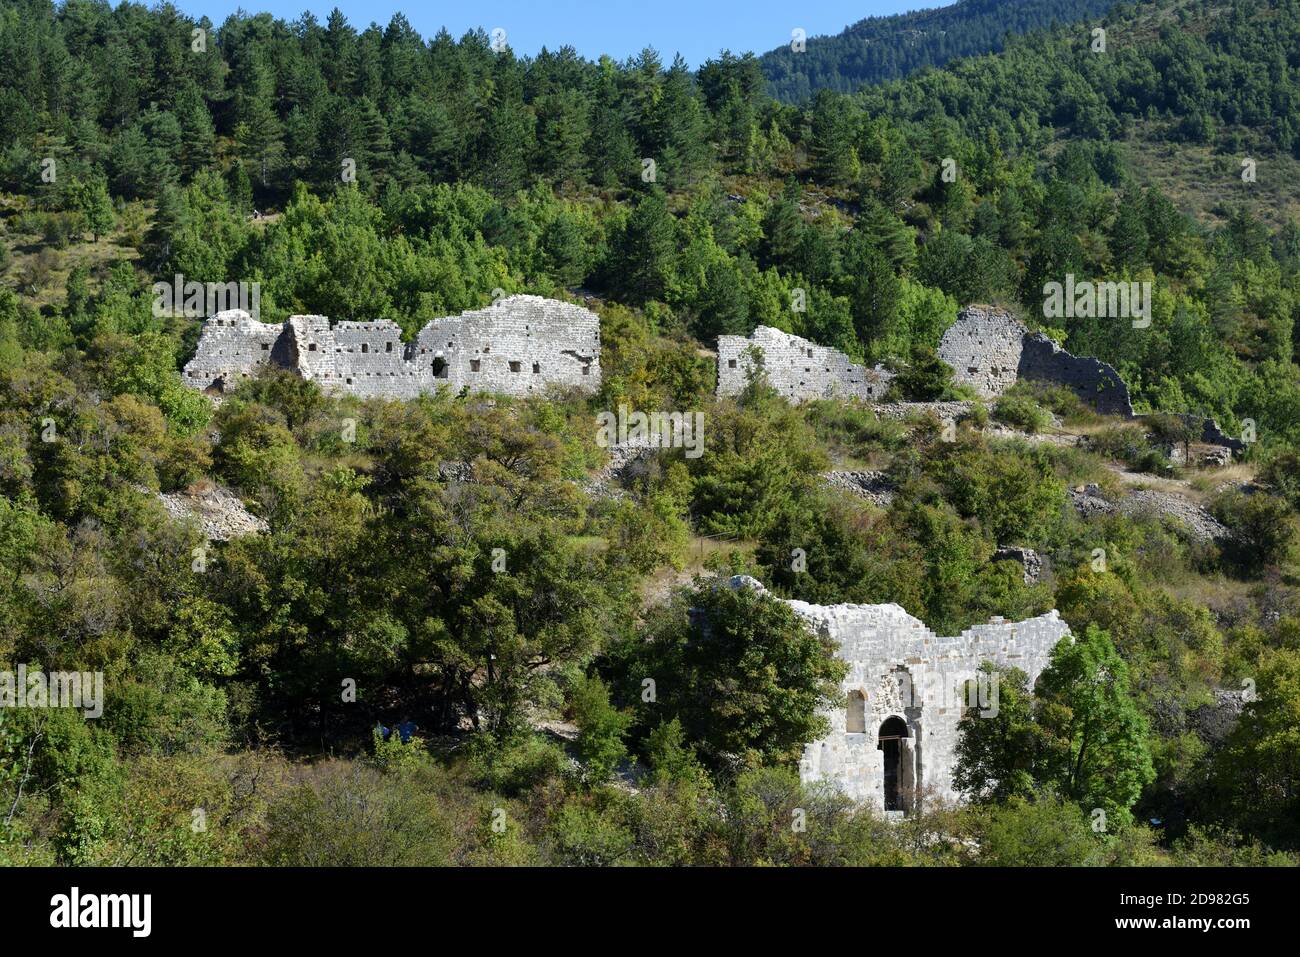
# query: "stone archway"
{"type": "Point", "coordinates": [893, 734]}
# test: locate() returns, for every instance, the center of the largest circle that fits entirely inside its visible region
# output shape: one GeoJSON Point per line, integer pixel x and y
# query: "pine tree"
{"type": "Point", "coordinates": [648, 250]}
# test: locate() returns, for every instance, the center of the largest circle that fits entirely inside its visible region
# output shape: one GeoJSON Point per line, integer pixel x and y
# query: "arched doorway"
{"type": "Point", "coordinates": [439, 368]}
{"type": "Point", "coordinates": [892, 734]}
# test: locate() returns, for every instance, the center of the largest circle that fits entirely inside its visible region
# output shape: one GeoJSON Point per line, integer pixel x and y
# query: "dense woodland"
{"type": "Point", "coordinates": [221, 156]}
{"type": "Point", "coordinates": [888, 48]}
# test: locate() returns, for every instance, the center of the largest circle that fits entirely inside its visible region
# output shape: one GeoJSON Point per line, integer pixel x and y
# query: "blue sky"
{"type": "Point", "coordinates": [698, 29]}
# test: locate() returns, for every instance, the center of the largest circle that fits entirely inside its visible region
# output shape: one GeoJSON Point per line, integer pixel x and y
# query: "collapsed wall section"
{"type": "Point", "coordinates": [798, 369]}
{"type": "Point", "coordinates": [990, 350]}
{"type": "Point", "coordinates": [1093, 381]}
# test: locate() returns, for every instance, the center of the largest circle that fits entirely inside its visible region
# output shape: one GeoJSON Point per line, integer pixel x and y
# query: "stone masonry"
{"type": "Point", "coordinates": [798, 369]}
{"type": "Point", "coordinates": [990, 350]}
{"type": "Point", "coordinates": [895, 736]}
{"type": "Point", "coordinates": [520, 345]}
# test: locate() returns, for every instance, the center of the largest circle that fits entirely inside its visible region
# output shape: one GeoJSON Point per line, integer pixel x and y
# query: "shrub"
{"type": "Point", "coordinates": [1129, 444]}
{"type": "Point", "coordinates": [1022, 413]}
{"type": "Point", "coordinates": [1262, 525]}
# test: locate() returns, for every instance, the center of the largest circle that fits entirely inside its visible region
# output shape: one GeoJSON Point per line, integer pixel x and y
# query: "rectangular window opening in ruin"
{"type": "Point", "coordinates": [365, 347]}
{"type": "Point", "coordinates": [731, 363]}
{"type": "Point", "coordinates": [266, 346]}
{"type": "Point", "coordinates": [311, 347]}
{"type": "Point", "coordinates": [586, 370]}
{"type": "Point", "coordinates": [537, 368]}
{"type": "Point", "coordinates": [388, 347]}
{"type": "Point", "coordinates": [474, 365]}
{"type": "Point", "coordinates": [514, 367]}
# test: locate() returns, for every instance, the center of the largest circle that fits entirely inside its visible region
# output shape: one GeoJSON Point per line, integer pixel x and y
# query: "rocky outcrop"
{"type": "Point", "coordinates": [217, 510]}
{"type": "Point", "coordinates": [875, 487]}
{"type": "Point", "coordinates": [1032, 563]}
{"type": "Point", "coordinates": [1200, 524]}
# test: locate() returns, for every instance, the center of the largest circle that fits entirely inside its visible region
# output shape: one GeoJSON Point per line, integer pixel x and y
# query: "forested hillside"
{"type": "Point", "coordinates": [470, 565]}
{"type": "Point", "coordinates": [889, 48]}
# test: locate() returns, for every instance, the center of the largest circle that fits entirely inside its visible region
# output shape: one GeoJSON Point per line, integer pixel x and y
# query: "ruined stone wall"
{"type": "Point", "coordinates": [990, 351]}
{"type": "Point", "coordinates": [798, 369]}
{"type": "Point", "coordinates": [983, 347]}
{"type": "Point", "coordinates": [232, 347]}
{"type": "Point", "coordinates": [1095, 382]}
{"type": "Point", "coordinates": [904, 669]}
{"type": "Point", "coordinates": [518, 346]}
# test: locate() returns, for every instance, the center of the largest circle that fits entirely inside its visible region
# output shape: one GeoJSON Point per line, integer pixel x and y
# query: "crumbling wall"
{"type": "Point", "coordinates": [990, 350]}
{"type": "Point", "coordinates": [983, 347]}
{"type": "Point", "coordinates": [232, 347]}
{"type": "Point", "coordinates": [1095, 382]}
{"type": "Point", "coordinates": [798, 369]}
{"type": "Point", "coordinates": [517, 346]}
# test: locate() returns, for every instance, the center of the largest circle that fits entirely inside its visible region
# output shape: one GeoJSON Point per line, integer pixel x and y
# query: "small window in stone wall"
{"type": "Point", "coordinates": [388, 347]}
{"type": "Point", "coordinates": [731, 363]}
{"type": "Point", "coordinates": [855, 721]}
{"type": "Point", "coordinates": [365, 347]}
{"type": "Point", "coordinates": [515, 367]}
{"type": "Point", "coordinates": [266, 346]}
{"type": "Point", "coordinates": [311, 347]}
{"type": "Point", "coordinates": [586, 370]}
{"type": "Point", "coordinates": [474, 365]}
{"type": "Point", "coordinates": [537, 368]}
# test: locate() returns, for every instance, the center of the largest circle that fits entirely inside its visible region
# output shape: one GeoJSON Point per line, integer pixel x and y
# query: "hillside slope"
{"type": "Point", "coordinates": [888, 48]}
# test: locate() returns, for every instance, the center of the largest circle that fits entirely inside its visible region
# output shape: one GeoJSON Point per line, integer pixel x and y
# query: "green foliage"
{"type": "Point", "coordinates": [1081, 736]}
{"type": "Point", "coordinates": [751, 691]}
{"type": "Point", "coordinates": [1021, 413]}
{"type": "Point", "coordinates": [601, 728]}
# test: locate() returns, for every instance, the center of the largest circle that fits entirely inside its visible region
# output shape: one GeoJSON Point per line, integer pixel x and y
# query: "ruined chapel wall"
{"type": "Point", "coordinates": [990, 350]}
{"type": "Point", "coordinates": [984, 349]}
{"type": "Point", "coordinates": [904, 669]}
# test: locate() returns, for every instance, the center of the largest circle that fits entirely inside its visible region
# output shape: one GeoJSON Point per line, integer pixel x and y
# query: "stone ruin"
{"type": "Point", "coordinates": [990, 350]}
{"type": "Point", "coordinates": [520, 345]}
{"type": "Point", "coordinates": [895, 735]}
{"type": "Point", "coordinates": [798, 369]}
